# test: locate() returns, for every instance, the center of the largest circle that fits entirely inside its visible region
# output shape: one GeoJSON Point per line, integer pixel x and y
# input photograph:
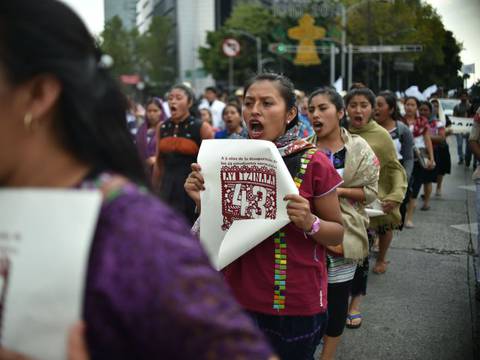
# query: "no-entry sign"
{"type": "Point", "coordinates": [231, 47]}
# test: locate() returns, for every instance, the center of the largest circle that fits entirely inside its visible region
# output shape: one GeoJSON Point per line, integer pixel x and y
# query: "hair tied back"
{"type": "Point", "coordinates": [105, 62]}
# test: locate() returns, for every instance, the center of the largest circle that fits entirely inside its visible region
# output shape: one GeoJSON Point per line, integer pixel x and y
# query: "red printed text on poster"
{"type": "Point", "coordinates": [248, 192]}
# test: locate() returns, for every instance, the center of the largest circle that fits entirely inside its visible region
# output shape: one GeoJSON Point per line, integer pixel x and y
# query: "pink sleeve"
{"type": "Point", "coordinates": [320, 178]}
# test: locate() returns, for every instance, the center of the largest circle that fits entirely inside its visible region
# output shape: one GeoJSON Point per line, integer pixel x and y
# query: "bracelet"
{"type": "Point", "coordinates": [315, 227]}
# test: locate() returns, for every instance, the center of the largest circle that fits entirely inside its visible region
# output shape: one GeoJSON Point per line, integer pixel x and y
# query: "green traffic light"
{"type": "Point", "coordinates": [281, 48]}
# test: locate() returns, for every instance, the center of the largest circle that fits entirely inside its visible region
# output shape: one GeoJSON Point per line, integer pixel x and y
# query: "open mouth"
{"type": "Point", "coordinates": [358, 119]}
{"type": "Point", "coordinates": [317, 125]}
{"type": "Point", "coordinates": [173, 108]}
{"type": "Point", "coordinates": [255, 129]}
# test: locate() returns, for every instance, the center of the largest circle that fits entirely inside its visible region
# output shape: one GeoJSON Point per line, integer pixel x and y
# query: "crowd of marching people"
{"type": "Point", "coordinates": [150, 290]}
{"type": "Point", "coordinates": [383, 158]}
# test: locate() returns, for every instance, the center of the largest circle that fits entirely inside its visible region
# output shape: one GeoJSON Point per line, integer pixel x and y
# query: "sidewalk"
{"type": "Point", "coordinates": [424, 306]}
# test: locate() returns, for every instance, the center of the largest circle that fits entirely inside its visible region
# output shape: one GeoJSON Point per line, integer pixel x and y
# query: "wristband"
{"type": "Point", "coordinates": [315, 227]}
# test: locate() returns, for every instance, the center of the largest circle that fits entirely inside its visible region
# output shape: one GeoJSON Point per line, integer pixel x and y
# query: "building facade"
{"type": "Point", "coordinates": [126, 10]}
{"type": "Point", "coordinates": [191, 20]}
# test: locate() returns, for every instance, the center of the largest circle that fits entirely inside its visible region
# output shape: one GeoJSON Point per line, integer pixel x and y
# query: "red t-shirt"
{"type": "Point", "coordinates": [252, 276]}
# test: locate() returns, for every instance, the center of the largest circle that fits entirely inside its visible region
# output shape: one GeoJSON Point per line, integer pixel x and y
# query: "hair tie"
{"type": "Point", "coordinates": [105, 62]}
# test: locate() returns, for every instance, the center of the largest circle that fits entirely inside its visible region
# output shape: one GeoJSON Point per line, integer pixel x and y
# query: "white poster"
{"type": "Point", "coordinates": [242, 205]}
{"type": "Point", "coordinates": [45, 238]}
{"type": "Point", "coordinates": [461, 125]}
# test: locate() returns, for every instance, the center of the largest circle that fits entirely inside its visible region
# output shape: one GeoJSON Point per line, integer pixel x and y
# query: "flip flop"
{"type": "Point", "coordinates": [351, 317]}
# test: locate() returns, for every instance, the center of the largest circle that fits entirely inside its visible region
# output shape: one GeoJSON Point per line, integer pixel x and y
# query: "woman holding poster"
{"type": "Point", "coordinates": [282, 282]}
{"type": "Point", "coordinates": [149, 291]}
{"type": "Point", "coordinates": [356, 162]}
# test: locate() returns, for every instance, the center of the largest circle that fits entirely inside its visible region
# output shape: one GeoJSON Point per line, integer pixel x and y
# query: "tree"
{"type": "Point", "coordinates": [254, 19]}
{"type": "Point", "coordinates": [406, 22]}
{"type": "Point", "coordinates": [156, 59]}
{"type": "Point", "coordinates": [119, 43]}
{"type": "Point", "coordinates": [150, 55]}
{"type": "Point", "coordinates": [259, 21]}
{"type": "Point", "coordinates": [369, 22]}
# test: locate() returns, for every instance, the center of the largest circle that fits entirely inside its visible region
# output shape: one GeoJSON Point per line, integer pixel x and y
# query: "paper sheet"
{"type": "Point", "coordinates": [45, 238]}
{"type": "Point", "coordinates": [245, 183]}
{"type": "Point", "coordinates": [374, 209]}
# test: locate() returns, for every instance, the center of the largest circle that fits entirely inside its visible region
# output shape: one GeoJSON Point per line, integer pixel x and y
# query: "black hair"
{"type": "Point", "coordinates": [364, 91]}
{"type": "Point", "coordinates": [187, 90]}
{"type": "Point", "coordinates": [212, 89]}
{"type": "Point", "coordinates": [191, 98]}
{"type": "Point", "coordinates": [285, 88]}
{"type": "Point", "coordinates": [158, 103]}
{"type": "Point", "coordinates": [412, 98]}
{"type": "Point", "coordinates": [391, 101]}
{"type": "Point", "coordinates": [47, 37]}
{"type": "Point", "coordinates": [155, 101]}
{"type": "Point", "coordinates": [357, 85]}
{"type": "Point", "coordinates": [427, 104]}
{"type": "Point", "coordinates": [234, 105]}
{"type": "Point", "coordinates": [334, 97]}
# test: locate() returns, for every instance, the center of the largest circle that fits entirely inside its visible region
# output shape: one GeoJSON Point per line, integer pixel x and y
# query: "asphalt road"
{"type": "Point", "coordinates": [424, 306]}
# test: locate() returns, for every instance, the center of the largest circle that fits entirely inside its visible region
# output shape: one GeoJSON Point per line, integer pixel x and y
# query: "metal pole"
{"type": "Point", "coordinates": [230, 74]}
{"type": "Point", "coordinates": [380, 70]}
{"type": "Point", "coordinates": [332, 64]}
{"type": "Point", "coordinates": [350, 65]}
{"type": "Point", "coordinates": [259, 54]}
{"type": "Point", "coordinates": [344, 43]}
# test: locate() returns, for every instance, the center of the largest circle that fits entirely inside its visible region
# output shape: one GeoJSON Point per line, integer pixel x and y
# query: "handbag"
{"type": "Point", "coordinates": [421, 155]}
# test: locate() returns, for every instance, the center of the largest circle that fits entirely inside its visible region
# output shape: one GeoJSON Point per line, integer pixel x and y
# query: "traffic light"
{"type": "Point", "coordinates": [281, 48]}
{"type": "Point", "coordinates": [278, 48]}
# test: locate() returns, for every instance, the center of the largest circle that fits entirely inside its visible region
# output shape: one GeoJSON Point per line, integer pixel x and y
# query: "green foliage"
{"type": "Point", "coordinates": [119, 43]}
{"type": "Point", "coordinates": [150, 55]}
{"type": "Point", "coordinates": [369, 22]}
{"type": "Point", "coordinates": [156, 53]}
{"type": "Point", "coordinates": [475, 90]}
{"type": "Point", "coordinates": [406, 22]}
{"type": "Point", "coordinates": [253, 19]}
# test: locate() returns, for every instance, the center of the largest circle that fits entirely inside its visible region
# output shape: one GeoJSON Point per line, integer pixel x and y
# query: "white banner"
{"type": "Point", "coordinates": [461, 125]}
{"type": "Point", "coordinates": [45, 238]}
{"type": "Point", "coordinates": [468, 69]}
{"type": "Point", "coordinates": [242, 205]}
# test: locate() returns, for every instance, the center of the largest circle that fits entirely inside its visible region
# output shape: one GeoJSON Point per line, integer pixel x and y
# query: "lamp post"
{"type": "Point", "coordinates": [380, 55]}
{"type": "Point", "coordinates": [258, 43]}
{"type": "Point", "coordinates": [344, 14]}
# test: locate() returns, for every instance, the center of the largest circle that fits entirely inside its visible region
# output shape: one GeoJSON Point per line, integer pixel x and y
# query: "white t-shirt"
{"type": "Point", "coordinates": [216, 109]}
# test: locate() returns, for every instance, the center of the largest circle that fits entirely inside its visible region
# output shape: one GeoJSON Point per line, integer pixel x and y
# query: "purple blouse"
{"type": "Point", "coordinates": [151, 292]}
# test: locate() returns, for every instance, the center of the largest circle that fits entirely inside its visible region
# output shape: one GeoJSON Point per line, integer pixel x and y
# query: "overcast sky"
{"type": "Point", "coordinates": [462, 17]}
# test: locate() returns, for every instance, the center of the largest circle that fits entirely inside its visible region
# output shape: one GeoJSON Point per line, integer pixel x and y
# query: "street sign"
{"type": "Point", "coordinates": [468, 69]}
{"type": "Point", "coordinates": [370, 49]}
{"type": "Point", "coordinates": [283, 48]}
{"type": "Point", "coordinates": [401, 65]}
{"type": "Point", "coordinates": [231, 47]}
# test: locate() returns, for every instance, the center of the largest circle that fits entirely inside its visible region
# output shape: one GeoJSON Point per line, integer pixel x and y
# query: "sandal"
{"type": "Point", "coordinates": [380, 267]}
{"type": "Point", "coordinates": [425, 208]}
{"type": "Point", "coordinates": [354, 316]}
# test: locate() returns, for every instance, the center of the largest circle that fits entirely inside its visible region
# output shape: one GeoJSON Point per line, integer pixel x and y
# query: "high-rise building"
{"type": "Point", "coordinates": [126, 10]}
{"type": "Point", "coordinates": [191, 19]}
